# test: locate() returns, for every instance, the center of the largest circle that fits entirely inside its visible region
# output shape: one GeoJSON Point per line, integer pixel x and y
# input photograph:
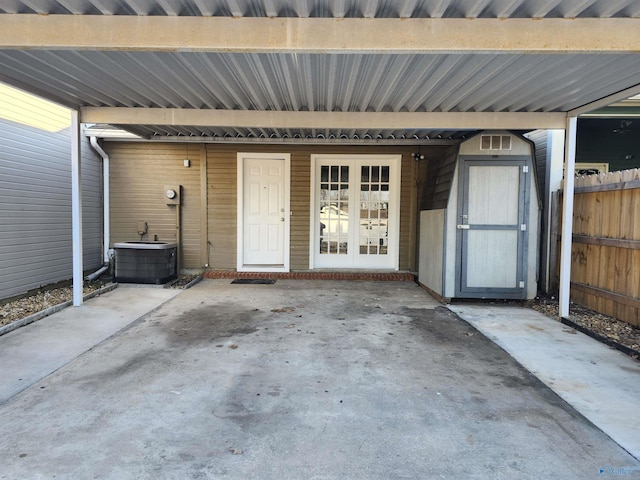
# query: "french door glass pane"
{"type": "Point", "coordinates": [374, 210]}
{"type": "Point", "coordinates": [334, 210]}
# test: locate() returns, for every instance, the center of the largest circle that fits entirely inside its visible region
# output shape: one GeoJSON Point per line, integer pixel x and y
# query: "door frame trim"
{"type": "Point", "coordinates": [240, 266]}
{"type": "Point", "coordinates": [394, 226]}
{"type": "Point", "coordinates": [523, 236]}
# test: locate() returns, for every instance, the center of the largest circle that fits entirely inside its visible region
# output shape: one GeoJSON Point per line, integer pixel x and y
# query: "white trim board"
{"type": "Point", "coordinates": [285, 266]}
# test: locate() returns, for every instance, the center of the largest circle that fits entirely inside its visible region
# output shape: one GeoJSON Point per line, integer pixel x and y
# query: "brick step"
{"type": "Point", "coordinates": [367, 276]}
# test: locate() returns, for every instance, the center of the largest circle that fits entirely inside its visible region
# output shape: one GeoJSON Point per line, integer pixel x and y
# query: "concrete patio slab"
{"type": "Point", "coordinates": [298, 380]}
{"type": "Point", "coordinates": [602, 383]}
{"type": "Point", "coordinates": [34, 351]}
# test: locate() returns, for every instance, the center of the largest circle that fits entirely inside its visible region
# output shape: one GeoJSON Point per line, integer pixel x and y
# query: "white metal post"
{"type": "Point", "coordinates": [76, 208]}
{"type": "Point", "coordinates": [567, 216]}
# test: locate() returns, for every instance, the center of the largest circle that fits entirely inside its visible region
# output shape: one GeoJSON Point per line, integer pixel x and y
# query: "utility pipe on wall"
{"type": "Point", "coordinates": [179, 235]}
{"type": "Point", "coordinates": [105, 198]}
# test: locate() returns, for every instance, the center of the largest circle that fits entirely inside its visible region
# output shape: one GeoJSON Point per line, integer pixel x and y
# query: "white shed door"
{"type": "Point", "coordinates": [264, 221]}
{"type": "Point", "coordinates": [491, 229]}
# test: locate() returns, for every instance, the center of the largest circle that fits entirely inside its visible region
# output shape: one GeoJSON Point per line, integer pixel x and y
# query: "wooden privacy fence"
{"type": "Point", "coordinates": [605, 250]}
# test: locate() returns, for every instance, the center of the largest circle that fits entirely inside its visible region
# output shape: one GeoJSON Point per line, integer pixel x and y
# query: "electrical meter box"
{"type": "Point", "coordinates": [172, 194]}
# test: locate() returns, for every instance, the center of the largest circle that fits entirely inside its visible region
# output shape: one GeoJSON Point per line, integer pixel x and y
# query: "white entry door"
{"type": "Point", "coordinates": [263, 212]}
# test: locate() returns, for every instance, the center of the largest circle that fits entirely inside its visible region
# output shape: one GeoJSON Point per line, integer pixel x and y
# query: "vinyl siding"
{"type": "Point", "coordinates": [138, 175]}
{"type": "Point", "coordinates": [539, 139]}
{"type": "Point", "coordinates": [436, 178]}
{"type": "Point", "coordinates": [35, 203]}
{"type": "Point", "coordinates": [139, 172]}
{"type": "Point", "coordinates": [222, 194]}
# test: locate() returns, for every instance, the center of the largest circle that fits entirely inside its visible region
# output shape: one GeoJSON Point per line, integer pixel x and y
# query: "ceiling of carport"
{"type": "Point", "coordinates": [316, 82]}
{"type": "Point", "coordinates": [334, 8]}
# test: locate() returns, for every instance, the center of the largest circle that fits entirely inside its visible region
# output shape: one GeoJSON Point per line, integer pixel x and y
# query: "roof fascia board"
{"type": "Point", "coordinates": [613, 112]}
{"type": "Point", "coordinates": [604, 102]}
{"type": "Point", "coordinates": [306, 119]}
{"type": "Point", "coordinates": [319, 35]}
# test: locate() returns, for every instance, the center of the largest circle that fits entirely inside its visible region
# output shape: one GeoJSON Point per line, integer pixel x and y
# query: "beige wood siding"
{"type": "Point", "coordinates": [222, 195]}
{"type": "Point", "coordinates": [301, 209]}
{"type": "Point", "coordinates": [139, 172]}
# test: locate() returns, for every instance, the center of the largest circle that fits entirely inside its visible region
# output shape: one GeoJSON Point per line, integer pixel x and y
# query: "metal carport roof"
{"type": "Point", "coordinates": [351, 70]}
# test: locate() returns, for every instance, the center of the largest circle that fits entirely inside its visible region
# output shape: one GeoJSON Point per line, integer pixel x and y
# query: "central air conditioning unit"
{"type": "Point", "coordinates": [146, 262]}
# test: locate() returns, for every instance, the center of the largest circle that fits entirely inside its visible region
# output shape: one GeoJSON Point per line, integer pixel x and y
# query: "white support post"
{"type": "Point", "coordinates": [76, 208]}
{"type": "Point", "coordinates": [567, 216]}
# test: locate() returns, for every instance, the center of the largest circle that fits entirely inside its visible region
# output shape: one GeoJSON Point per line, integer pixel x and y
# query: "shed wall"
{"type": "Point", "coordinates": [35, 206]}
{"type": "Point", "coordinates": [471, 147]}
{"type": "Point", "coordinates": [432, 241]}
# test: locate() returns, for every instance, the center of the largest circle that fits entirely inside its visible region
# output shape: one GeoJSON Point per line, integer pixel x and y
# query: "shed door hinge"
{"type": "Point", "coordinates": [521, 285]}
{"type": "Point", "coordinates": [523, 227]}
{"type": "Point", "coordinates": [525, 169]}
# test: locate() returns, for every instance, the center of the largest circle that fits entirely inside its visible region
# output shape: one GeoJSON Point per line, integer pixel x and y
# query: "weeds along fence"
{"type": "Point", "coordinates": [605, 250]}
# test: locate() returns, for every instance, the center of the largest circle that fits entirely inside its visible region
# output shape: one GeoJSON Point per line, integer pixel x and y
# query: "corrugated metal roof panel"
{"type": "Point", "coordinates": [163, 132]}
{"type": "Point", "coordinates": [334, 8]}
{"type": "Point", "coordinates": [469, 82]}
{"type": "Point", "coordinates": [294, 82]}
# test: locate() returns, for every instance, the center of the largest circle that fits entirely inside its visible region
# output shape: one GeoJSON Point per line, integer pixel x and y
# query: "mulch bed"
{"type": "Point", "coordinates": [616, 333]}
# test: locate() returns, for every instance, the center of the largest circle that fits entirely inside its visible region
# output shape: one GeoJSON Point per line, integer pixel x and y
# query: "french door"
{"type": "Point", "coordinates": [356, 210]}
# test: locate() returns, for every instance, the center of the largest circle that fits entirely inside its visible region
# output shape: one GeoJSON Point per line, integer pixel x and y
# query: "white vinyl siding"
{"type": "Point", "coordinates": [35, 207]}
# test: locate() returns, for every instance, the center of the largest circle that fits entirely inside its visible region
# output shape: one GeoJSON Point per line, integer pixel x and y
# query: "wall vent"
{"type": "Point", "coordinates": [495, 142]}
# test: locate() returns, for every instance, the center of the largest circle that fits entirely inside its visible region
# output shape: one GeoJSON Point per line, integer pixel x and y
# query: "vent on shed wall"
{"type": "Point", "coordinates": [495, 142]}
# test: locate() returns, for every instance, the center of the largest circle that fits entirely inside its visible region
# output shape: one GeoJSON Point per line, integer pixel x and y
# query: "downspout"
{"type": "Point", "coordinates": [105, 199]}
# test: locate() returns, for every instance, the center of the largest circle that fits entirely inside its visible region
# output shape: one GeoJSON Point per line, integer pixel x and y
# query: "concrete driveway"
{"type": "Point", "coordinates": [298, 380]}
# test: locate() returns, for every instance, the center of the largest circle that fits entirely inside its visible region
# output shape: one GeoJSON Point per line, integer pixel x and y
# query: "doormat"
{"type": "Point", "coordinates": [254, 281]}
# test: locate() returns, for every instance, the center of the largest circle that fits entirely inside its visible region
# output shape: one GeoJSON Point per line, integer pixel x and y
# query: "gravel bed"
{"type": "Point", "coordinates": [39, 300]}
{"type": "Point", "coordinates": [611, 329]}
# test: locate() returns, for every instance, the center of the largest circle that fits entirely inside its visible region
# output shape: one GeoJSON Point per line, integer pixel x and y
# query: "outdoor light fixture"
{"type": "Point", "coordinates": [417, 156]}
